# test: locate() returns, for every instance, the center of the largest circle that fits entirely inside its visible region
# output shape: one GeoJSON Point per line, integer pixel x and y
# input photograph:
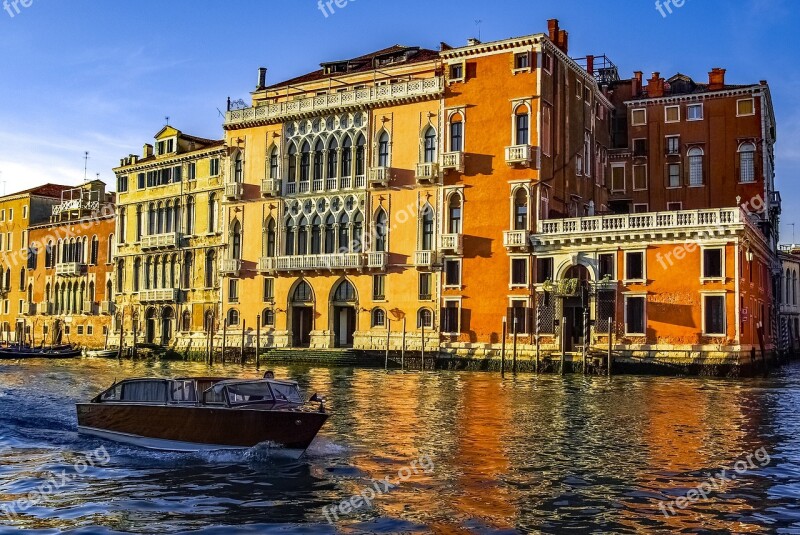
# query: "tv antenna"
{"type": "Point", "coordinates": [166, 120]}
{"type": "Point", "coordinates": [85, 164]}
{"type": "Point", "coordinates": [478, 25]}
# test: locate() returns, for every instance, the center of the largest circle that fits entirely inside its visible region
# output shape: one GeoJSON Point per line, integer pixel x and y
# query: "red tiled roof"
{"type": "Point", "coordinates": [47, 190]}
{"type": "Point", "coordinates": [361, 64]}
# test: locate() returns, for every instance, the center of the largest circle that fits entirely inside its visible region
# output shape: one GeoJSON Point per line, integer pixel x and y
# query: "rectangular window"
{"type": "Point", "coordinates": [579, 90]}
{"type": "Point", "coordinates": [424, 286]}
{"type": "Point", "coordinates": [519, 272]}
{"type": "Point", "coordinates": [378, 287]}
{"type": "Point", "coordinates": [673, 144]}
{"type": "Point", "coordinates": [214, 166]}
{"type": "Point", "coordinates": [544, 270]}
{"type": "Point", "coordinates": [8, 241]}
{"type": "Point", "coordinates": [745, 107]}
{"type": "Point", "coordinates": [452, 272]}
{"type": "Point", "coordinates": [606, 266]}
{"type": "Point", "coordinates": [269, 289]}
{"type": "Point", "coordinates": [634, 266]}
{"type": "Point", "coordinates": [712, 264]}
{"type": "Point", "coordinates": [674, 206]}
{"type": "Point", "coordinates": [89, 330]}
{"type": "Point", "coordinates": [456, 136]}
{"type": "Point", "coordinates": [546, 129]}
{"type": "Point", "coordinates": [160, 148]}
{"type": "Point", "coordinates": [639, 177]}
{"type": "Point", "coordinates": [457, 72]}
{"type": "Point", "coordinates": [579, 165]}
{"type": "Point", "coordinates": [522, 129]}
{"type": "Point", "coordinates": [714, 315]}
{"type": "Point", "coordinates": [519, 316]}
{"type": "Point", "coordinates": [140, 184]}
{"type": "Point", "coordinates": [673, 175]}
{"type": "Point", "coordinates": [747, 164]}
{"type": "Point", "coordinates": [694, 112]}
{"type": "Point", "coordinates": [122, 184]}
{"type": "Point", "coordinates": [522, 61]}
{"type": "Point", "coordinates": [639, 117]}
{"type": "Point", "coordinates": [640, 147]}
{"type": "Point", "coordinates": [24, 212]}
{"type": "Point", "coordinates": [547, 63]}
{"type": "Point", "coordinates": [2, 215]}
{"type": "Point", "coordinates": [233, 291]}
{"type": "Point", "coordinates": [640, 208]}
{"type": "Point", "coordinates": [618, 177]}
{"type": "Point", "coordinates": [11, 214]}
{"type": "Point", "coordinates": [450, 317]}
{"type": "Point", "coordinates": [672, 114]}
{"type": "Point", "coordinates": [192, 171]}
{"type": "Point", "coordinates": [80, 330]}
{"type": "Point", "coordinates": [635, 315]}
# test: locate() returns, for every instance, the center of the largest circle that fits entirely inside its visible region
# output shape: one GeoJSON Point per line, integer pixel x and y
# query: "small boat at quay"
{"type": "Point", "coordinates": [102, 353]}
{"type": "Point", "coordinates": [201, 414]}
{"type": "Point", "coordinates": [47, 352]}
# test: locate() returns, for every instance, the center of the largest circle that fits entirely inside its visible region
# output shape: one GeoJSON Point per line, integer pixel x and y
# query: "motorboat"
{"type": "Point", "coordinates": [54, 352]}
{"type": "Point", "coordinates": [102, 353]}
{"type": "Point", "coordinates": [199, 414]}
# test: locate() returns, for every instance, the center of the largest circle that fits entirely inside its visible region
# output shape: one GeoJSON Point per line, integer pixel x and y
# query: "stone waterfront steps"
{"type": "Point", "coordinates": [328, 357]}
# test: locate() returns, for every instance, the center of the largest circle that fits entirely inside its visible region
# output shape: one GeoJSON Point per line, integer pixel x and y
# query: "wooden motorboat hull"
{"type": "Point", "coordinates": [193, 428]}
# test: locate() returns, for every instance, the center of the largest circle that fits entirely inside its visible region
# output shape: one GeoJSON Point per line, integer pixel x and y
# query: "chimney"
{"type": "Point", "coordinates": [552, 30]}
{"type": "Point", "coordinates": [655, 86]}
{"type": "Point", "coordinates": [262, 78]}
{"type": "Point", "coordinates": [590, 65]}
{"type": "Point", "coordinates": [636, 83]}
{"type": "Point", "coordinates": [148, 151]}
{"type": "Point", "coordinates": [563, 41]}
{"type": "Point", "coordinates": [716, 79]}
{"type": "Point", "coordinates": [473, 41]}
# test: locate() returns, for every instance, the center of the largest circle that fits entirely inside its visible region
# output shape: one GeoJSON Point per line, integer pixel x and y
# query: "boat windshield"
{"type": "Point", "coordinates": [242, 393]}
{"type": "Point", "coordinates": [183, 392]}
{"type": "Point", "coordinates": [284, 392]}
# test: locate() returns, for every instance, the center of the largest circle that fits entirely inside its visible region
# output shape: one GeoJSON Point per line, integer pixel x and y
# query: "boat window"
{"type": "Point", "coordinates": [144, 392]}
{"type": "Point", "coordinates": [213, 396]}
{"type": "Point", "coordinates": [249, 393]}
{"type": "Point", "coordinates": [288, 393]}
{"type": "Point", "coordinates": [112, 394]}
{"type": "Point", "coordinates": [183, 391]}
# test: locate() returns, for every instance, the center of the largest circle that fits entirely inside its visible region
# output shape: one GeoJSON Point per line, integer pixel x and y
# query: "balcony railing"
{"type": "Point", "coordinates": [678, 220]}
{"type": "Point", "coordinates": [379, 176]}
{"type": "Point", "coordinates": [427, 172]}
{"type": "Point", "coordinates": [164, 295]}
{"type": "Point", "coordinates": [45, 308]}
{"type": "Point", "coordinates": [519, 154]}
{"type": "Point", "coordinates": [424, 259]}
{"type": "Point", "coordinates": [513, 239]}
{"type": "Point", "coordinates": [106, 308]}
{"type": "Point", "coordinates": [28, 309]}
{"type": "Point", "coordinates": [233, 191]}
{"type": "Point", "coordinates": [69, 269]}
{"type": "Point", "coordinates": [312, 262]}
{"type": "Point", "coordinates": [453, 160]}
{"type": "Point", "coordinates": [270, 187]}
{"type": "Point", "coordinates": [377, 260]}
{"type": "Point", "coordinates": [231, 267]}
{"type": "Point", "coordinates": [315, 105]}
{"type": "Point", "coordinates": [161, 241]}
{"type": "Point", "coordinates": [451, 243]}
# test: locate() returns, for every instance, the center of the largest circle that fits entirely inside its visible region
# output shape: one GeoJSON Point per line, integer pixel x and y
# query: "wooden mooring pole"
{"type": "Point", "coordinates": [503, 349]}
{"type": "Point", "coordinates": [224, 337]}
{"type": "Point", "coordinates": [258, 340]}
{"type": "Point", "coordinates": [610, 356]}
{"type": "Point", "coordinates": [244, 329]}
{"type": "Point", "coordinates": [388, 340]}
{"type": "Point", "coordinates": [563, 343]}
{"type": "Point", "coordinates": [403, 348]}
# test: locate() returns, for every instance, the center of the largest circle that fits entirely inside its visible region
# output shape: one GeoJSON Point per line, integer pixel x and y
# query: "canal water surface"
{"type": "Point", "coordinates": [465, 453]}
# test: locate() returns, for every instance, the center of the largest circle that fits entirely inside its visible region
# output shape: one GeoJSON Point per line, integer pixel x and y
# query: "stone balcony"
{"type": "Point", "coordinates": [45, 308]}
{"type": "Point", "coordinates": [324, 262]}
{"type": "Point", "coordinates": [28, 309]}
{"type": "Point", "coordinates": [424, 259]}
{"type": "Point", "coordinates": [377, 260]}
{"type": "Point", "coordinates": [400, 92]}
{"type": "Point", "coordinates": [379, 177]}
{"type": "Point", "coordinates": [710, 223]}
{"type": "Point", "coordinates": [106, 308]}
{"type": "Point", "coordinates": [168, 240]}
{"type": "Point", "coordinates": [69, 269]}
{"type": "Point", "coordinates": [516, 239]}
{"type": "Point", "coordinates": [451, 243]}
{"type": "Point", "coordinates": [164, 295]}
{"type": "Point", "coordinates": [231, 267]}
{"type": "Point", "coordinates": [233, 191]}
{"type": "Point", "coordinates": [453, 160]}
{"type": "Point", "coordinates": [519, 154]}
{"type": "Point", "coordinates": [270, 187]}
{"type": "Point", "coordinates": [427, 173]}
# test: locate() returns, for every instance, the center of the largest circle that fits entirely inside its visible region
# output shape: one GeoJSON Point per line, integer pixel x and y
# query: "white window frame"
{"type": "Point", "coordinates": [753, 104]}
{"type": "Point", "coordinates": [613, 254]}
{"type": "Point", "coordinates": [450, 66]}
{"type": "Point", "coordinates": [460, 273]}
{"type": "Point", "coordinates": [703, 249]}
{"type": "Point", "coordinates": [625, 298]}
{"type": "Point", "coordinates": [624, 177]}
{"type": "Point", "coordinates": [667, 139]}
{"type": "Point", "coordinates": [456, 300]}
{"type": "Point", "coordinates": [511, 284]}
{"type": "Point", "coordinates": [695, 106]}
{"type": "Point", "coordinates": [515, 105]}
{"type": "Point", "coordinates": [679, 203]}
{"type": "Point", "coordinates": [680, 176]}
{"type": "Point", "coordinates": [643, 280]}
{"type": "Point", "coordinates": [579, 92]}
{"type": "Point", "coordinates": [739, 153]}
{"type": "Point", "coordinates": [724, 296]}
{"type": "Point", "coordinates": [646, 207]}
{"type": "Point", "coordinates": [666, 114]}
{"type": "Point", "coordinates": [547, 62]}
{"type": "Point", "coordinates": [516, 70]}
{"type": "Point", "coordinates": [634, 112]}
{"type": "Point", "coordinates": [633, 178]}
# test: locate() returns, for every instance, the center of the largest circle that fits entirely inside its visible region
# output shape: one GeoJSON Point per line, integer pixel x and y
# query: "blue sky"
{"type": "Point", "coordinates": [101, 76]}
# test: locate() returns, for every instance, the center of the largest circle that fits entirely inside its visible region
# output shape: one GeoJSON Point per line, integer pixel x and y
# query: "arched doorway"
{"type": "Point", "coordinates": [167, 325]}
{"type": "Point", "coordinates": [150, 326]}
{"type": "Point", "coordinates": [344, 304]}
{"type": "Point", "coordinates": [302, 309]}
{"type": "Point", "coordinates": [575, 308]}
